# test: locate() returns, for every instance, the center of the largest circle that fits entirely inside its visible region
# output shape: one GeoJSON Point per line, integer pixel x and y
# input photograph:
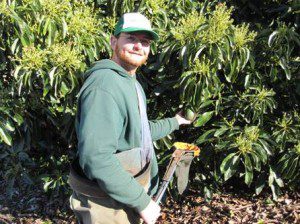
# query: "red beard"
{"type": "Point", "coordinates": [130, 59]}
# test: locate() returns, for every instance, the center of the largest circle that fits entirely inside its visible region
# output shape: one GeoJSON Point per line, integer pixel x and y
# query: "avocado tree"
{"type": "Point", "coordinates": [233, 65]}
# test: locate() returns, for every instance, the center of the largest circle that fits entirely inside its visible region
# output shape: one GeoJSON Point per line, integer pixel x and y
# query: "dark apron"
{"type": "Point", "coordinates": [130, 160]}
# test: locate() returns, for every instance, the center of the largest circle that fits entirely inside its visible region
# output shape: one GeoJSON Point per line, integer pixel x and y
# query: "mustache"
{"type": "Point", "coordinates": [137, 53]}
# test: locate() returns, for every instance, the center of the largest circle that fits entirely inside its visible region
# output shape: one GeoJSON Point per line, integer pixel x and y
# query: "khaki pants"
{"type": "Point", "coordinates": [89, 210]}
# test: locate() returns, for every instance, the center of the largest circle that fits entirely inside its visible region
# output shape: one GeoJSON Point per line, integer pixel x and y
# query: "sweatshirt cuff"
{"type": "Point", "coordinates": [143, 204]}
{"type": "Point", "coordinates": [174, 123]}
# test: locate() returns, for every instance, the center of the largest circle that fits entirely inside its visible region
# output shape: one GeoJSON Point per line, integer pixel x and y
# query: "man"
{"type": "Point", "coordinates": [116, 171]}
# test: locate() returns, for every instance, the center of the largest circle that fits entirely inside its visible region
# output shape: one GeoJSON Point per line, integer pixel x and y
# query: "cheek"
{"type": "Point", "coordinates": [147, 51]}
{"type": "Point", "coordinates": [126, 48]}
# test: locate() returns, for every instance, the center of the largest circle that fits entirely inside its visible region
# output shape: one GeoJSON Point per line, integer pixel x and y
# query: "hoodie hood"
{"type": "Point", "coordinates": [106, 64]}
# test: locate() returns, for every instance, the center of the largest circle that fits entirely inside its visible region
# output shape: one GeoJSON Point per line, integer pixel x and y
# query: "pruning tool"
{"type": "Point", "coordinates": [180, 162]}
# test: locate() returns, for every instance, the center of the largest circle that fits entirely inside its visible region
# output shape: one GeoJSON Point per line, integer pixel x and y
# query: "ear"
{"type": "Point", "coordinates": [113, 42]}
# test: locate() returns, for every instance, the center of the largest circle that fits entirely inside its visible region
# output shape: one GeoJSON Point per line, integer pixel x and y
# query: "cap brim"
{"type": "Point", "coordinates": [153, 34]}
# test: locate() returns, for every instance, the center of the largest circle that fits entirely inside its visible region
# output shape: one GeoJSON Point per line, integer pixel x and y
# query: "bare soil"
{"type": "Point", "coordinates": [30, 206]}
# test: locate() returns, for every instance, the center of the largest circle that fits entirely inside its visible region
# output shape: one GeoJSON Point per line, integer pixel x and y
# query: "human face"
{"type": "Point", "coordinates": [131, 50]}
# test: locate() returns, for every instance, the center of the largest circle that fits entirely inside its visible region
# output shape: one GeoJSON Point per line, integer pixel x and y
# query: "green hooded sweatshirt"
{"type": "Point", "coordinates": [108, 122]}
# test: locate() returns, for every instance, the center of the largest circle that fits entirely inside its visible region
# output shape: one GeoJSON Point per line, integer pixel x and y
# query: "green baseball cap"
{"type": "Point", "coordinates": [134, 22]}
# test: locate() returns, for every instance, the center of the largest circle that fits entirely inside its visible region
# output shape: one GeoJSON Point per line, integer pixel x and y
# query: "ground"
{"type": "Point", "coordinates": [34, 207]}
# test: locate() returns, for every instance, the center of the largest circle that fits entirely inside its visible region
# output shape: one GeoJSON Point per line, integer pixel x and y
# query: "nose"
{"type": "Point", "coordinates": [138, 45]}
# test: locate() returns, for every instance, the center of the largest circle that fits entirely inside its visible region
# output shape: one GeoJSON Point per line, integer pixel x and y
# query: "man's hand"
{"type": "Point", "coordinates": [181, 120]}
{"type": "Point", "coordinates": [151, 213]}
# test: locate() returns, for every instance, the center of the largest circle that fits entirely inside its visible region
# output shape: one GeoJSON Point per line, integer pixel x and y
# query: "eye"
{"type": "Point", "coordinates": [145, 42]}
{"type": "Point", "coordinates": [131, 38]}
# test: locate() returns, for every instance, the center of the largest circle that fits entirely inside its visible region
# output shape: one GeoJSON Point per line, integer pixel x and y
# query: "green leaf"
{"type": "Point", "coordinates": [4, 136]}
{"type": "Point", "coordinates": [46, 26]}
{"type": "Point", "coordinates": [203, 118]}
{"type": "Point", "coordinates": [224, 164]}
{"type": "Point", "coordinates": [271, 177]}
{"type": "Point", "coordinates": [206, 104]}
{"type": "Point", "coordinates": [222, 145]}
{"type": "Point", "coordinates": [275, 192]}
{"type": "Point", "coordinates": [46, 90]}
{"type": "Point", "coordinates": [221, 131]}
{"type": "Point", "coordinates": [228, 48]}
{"type": "Point", "coordinates": [279, 181]}
{"type": "Point", "coordinates": [25, 39]}
{"type": "Point", "coordinates": [248, 170]}
{"type": "Point", "coordinates": [64, 89]}
{"type": "Point", "coordinates": [229, 165]}
{"type": "Point", "coordinates": [292, 168]}
{"type": "Point", "coordinates": [247, 56]}
{"type": "Point", "coordinates": [285, 68]}
{"type": "Point", "coordinates": [262, 154]}
{"type": "Point", "coordinates": [183, 52]}
{"type": "Point", "coordinates": [89, 52]}
{"type": "Point", "coordinates": [189, 91]}
{"type": "Point", "coordinates": [220, 57]}
{"type": "Point", "coordinates": [65, 27]}
{"type": "Point", "coordinates": [9, 126]}
{"type": "Point", "coordinates": [233, 68]}
{"type": "Point", "coordinates": [272, 38]}
{"type": "Point", "coordinates": [51, 75]}
{"type": "Point", "coordinates": [205, 136]}
{"type": "Point", "coordinates": [184, 56]}
{"type": "Point", "coordinates": [14, 45]}
{"type": "Point", "coordinates": [9, 186]}
{"type": "Point", "coordinates": [265, 146]}
{"type": "Point", "coordinates": [247, 81]}
{"type": "Point", "coordinates": [256, 161]}
{"type": "Point", "coordinates": [199, 52]}
{"type": "Point", "coordinates": [51, 33]}
{"type": "Point", "coordinates": [156, 145]}
{"type": "Point", "coordinates": [18, 118]}
{"type": "Point", "coordinates": [197, 95]}
{"type": "Point", "coordinates": [47, 185]}
{"type": "Point", "coordinates": [274, 177]}
{"type": "Point", "coordinates": [207, 193]}
{"type": "Point", "coordinates": [16, 72]}
{"type": "Point", "coordinates": [260, 183]}
{"type": "Point", "coordinates": [167, 142]}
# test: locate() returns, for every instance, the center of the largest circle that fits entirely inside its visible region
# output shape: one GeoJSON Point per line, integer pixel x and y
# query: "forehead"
{"type": "Point", "coordinates": [140, 35]}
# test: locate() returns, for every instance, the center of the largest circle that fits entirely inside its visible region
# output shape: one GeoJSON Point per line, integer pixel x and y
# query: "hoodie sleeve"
{"type": "Point", "coordinates": [97, 143]}
{"type": "Point", "coordinates": [163, 127]}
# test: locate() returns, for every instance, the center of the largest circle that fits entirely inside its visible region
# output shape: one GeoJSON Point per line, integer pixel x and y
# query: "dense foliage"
{"type": "Point", "coordinates": [234, 64]}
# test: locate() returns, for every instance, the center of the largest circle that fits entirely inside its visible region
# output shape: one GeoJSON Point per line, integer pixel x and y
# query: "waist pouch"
{"type": "Point", "coordinates": [130, 161]}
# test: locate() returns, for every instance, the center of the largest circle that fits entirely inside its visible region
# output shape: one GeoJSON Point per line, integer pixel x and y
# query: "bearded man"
{"type": "Point", "coordinates": [115, 174]}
